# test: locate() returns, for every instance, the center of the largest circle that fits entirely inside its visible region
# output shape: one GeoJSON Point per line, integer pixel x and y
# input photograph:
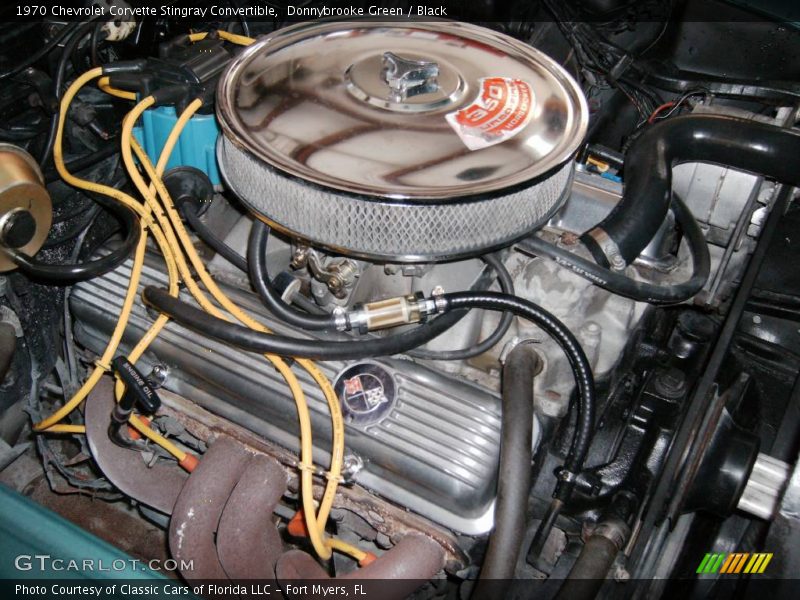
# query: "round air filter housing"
{"type": "Point", "coordinates": [399, 141]}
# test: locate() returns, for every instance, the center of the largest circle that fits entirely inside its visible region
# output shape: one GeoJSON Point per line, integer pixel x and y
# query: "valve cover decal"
{"type": "Point", "coordinates": [366, 392]}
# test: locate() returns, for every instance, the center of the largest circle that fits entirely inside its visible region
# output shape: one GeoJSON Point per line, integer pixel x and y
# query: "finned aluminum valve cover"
{"type": "Point", "coordinates": [398, 141]}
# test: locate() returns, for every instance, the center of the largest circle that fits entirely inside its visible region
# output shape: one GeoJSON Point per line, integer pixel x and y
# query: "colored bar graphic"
{"type": "Point", "coordinates": [740, 564]}
{"type": "Point", "coordinates": [727, 566]}
{"type": "Point", "coordinates": [704, 563]}
{"type": "Point", "coordinates": [711, 563]}
{"type": "Point", "coordinates": [734, 563]}
{"type": "Point", "coordinates": [758, 563]}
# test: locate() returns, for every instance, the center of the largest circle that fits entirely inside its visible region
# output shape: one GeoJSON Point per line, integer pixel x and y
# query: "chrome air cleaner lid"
{"type": "Point", "coordinates": [403, 142]}
{"type": "Point", "coordinates": [413, 112]}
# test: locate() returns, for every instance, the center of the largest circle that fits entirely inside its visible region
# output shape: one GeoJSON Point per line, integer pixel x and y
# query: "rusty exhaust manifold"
{"type": "Point", "coordinates": [194, 522]}
{"type": "Point", "coordinates": [247, 544]}
{"type": "Point", "coordinates": [156, 486]}
{"type": "Point", "coordinates": [413, 561]}
{"type": "Point", "coordinates": [221, 519]}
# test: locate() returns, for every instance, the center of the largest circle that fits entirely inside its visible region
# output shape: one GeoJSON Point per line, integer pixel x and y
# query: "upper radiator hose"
{"type": "Point", "coordinates": [751, 146]}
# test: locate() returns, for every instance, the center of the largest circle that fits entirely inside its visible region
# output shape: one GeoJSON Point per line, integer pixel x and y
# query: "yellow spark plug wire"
{"type": "Point", "coordinates": [50, 424]}
{"type": "Point", "coordinates": [240, 40]}
{"type": "Point", "coordinates": [104, 84]}
{"type": "Point", "coordinates": [315, 525]}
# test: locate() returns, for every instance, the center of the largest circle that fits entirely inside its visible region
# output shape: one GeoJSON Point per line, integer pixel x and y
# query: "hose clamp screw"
{"type": "Point", "coordinates": [437, 294]}
{"type": "Point", "coordinates": [341, 321]}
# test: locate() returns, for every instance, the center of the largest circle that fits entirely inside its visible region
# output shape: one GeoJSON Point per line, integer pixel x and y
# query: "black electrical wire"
{"type": "Point", "coordinates": [58, 83]}
{"type": "Point", "coordinates": [76, 165]}
{"type": "Point", "coordinates": [607, 64]}
{"type": "Point", "coordinates": [623, 285]}
{"type": "Point", "coordinates": [242, 19]}
{"type": "Point", "coordinates": [656, 116]}
{"type": "Point", "coordinates": [259, 278]}
{"type": "Point", "coordinates": [42, 52]}
{"type": "Point", "coordinates": [89, 56]}
{"type": "Point", "coordinates": [71, 273]}
{"type": "Point", "coordinates": [98, 35]}
{"type": "Point", "coordinates": [507, 287]}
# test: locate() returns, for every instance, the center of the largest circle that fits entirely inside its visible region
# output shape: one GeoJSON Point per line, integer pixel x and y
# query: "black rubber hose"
{"type": "Point", "coordinates": [210, 238]}
{"type": "Point", "coordinates": [73, 232]}
{"type": "Point", "coordinates": [751, 146]}
{"type": "Point", "coordinates": [259, 278]}
{"type": "Point", "coordinates": [256, 341]}
{"type": "Point", "coordinates": [668, 77]}
{"type": "Point", "coordinates": [590, 569]}
{"type": "Point", "coordinates": [232, 256]}
{"type": "Point", "coordinates": [17, 134]}
{"type": "Point", "coordinates": [581, 369]}
{"type": "Point", "coordinates": [514, 473]}
{"type": "Point", "coordinates": [42, 52]}
{"type": "Point", "coordinates": [623, 285]}
{"type": "Point", "coordinates": [72, 273]}
{"type": "Point", "coordinates": [507, 287]}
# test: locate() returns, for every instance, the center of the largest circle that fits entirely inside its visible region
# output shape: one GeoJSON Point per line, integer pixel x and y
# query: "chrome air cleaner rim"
{"type": "Point", "coordinates": [301, 118]}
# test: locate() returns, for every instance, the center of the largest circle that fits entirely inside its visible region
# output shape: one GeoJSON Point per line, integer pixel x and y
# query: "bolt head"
{"type": "Point", "coordinates": [617, 263]}
{"type": "Point", "coordinates": [18, 229]}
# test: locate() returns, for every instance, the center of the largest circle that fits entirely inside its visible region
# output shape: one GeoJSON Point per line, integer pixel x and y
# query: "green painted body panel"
{"type": "Point", "coordinates": [30, 530]}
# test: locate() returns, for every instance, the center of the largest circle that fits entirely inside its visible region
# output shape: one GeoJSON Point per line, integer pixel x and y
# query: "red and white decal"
{"type": "Point", "coordinates": [353, 386]}
{"type": "Point", "coordinates": [503, 108]}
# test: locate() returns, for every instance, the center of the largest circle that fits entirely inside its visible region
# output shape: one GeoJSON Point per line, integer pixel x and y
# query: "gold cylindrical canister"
{"type": "Point", "coordinates": [22, 189]}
